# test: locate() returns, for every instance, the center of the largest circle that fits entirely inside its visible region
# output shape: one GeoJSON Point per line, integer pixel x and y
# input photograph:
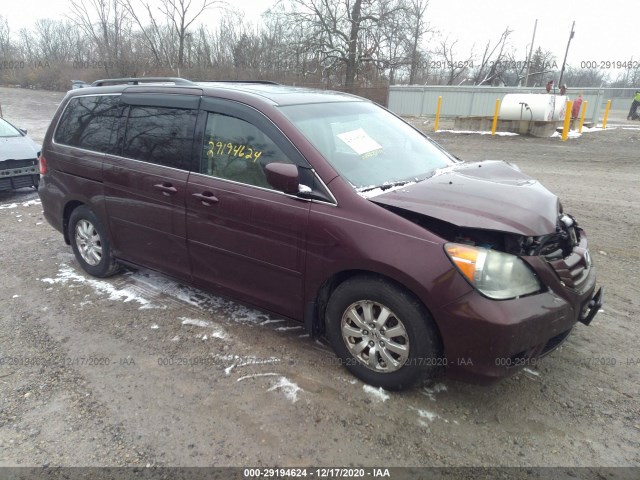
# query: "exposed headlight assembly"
{"type": "Point", "coordinates": [495, 274]}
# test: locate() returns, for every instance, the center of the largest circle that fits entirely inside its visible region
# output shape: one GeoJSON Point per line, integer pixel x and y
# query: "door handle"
{"type": "Point", "coordinates": [206, 198]}
{"type": "Point", "coordinates": [166, 188]}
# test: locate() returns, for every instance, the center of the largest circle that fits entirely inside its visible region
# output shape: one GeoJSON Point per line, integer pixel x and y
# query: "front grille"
{"type": "Point", "coordinates": [572, 270]}
{"type": "Point", "coordinates": [566, 251]}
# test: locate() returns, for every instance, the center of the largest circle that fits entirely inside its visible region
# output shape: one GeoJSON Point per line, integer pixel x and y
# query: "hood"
{"type": "Point", "coordinates": [18, 148]}
{"type": "Point", "coordinates": [489, 195]}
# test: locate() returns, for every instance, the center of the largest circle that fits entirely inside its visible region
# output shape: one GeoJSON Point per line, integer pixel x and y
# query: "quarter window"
{"type": "Point", "coordinates": [238, 150]}
{"type": "Point", "coordinates": [90, 123]}
{"type": "Point", "coordinates": [160, 135]}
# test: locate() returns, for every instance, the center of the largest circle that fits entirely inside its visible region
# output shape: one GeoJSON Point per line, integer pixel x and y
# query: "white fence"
{"type": "Point", "coordinates": [471, 101]}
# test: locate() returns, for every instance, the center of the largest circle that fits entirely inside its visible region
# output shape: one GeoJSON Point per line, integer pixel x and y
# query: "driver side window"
{"type": "Point", "coordinates": [237, 150]}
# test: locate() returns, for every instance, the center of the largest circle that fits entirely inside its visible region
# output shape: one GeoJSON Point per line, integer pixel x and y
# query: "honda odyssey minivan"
{"type": "Point", "coordinates": [325, 208]}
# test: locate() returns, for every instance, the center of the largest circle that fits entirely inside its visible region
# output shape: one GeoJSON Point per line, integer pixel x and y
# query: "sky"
{"type": "Point", "coordinates": [604, 31]}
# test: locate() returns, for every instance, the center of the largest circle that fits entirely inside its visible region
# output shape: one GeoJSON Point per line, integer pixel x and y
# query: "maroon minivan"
{"type": "Point", "coordinates": [325, 208]}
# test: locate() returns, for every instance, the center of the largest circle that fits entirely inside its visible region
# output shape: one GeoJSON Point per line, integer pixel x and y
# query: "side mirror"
{"type": "Point", "coordinates": [23, 130]}
{"type": "Point", "coordinates": [283, 177]}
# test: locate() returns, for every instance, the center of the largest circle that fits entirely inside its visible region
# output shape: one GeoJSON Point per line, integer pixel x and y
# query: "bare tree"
{"type": "Point", "coordinates": [5, 37]}
{"type": "Point", "coordinates": [494, 60]}
{"type": "Point", "coordinates": [543, 65]}
{"type": "Point", "coordinates": [452, 66]}
{"type": "Point", "coordinates": [585, 77]}
{"type": "Point", "coordinates": [168, 41]}
{"type": "Point", "coordinates": [418, 28]}
{"type": "Point", "coordinates": [337, 29]}
{"type": "Point", "coordinates": [105, 23]}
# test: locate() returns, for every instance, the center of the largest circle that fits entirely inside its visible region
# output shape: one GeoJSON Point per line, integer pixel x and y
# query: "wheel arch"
{"type": "Point", "coordinates": [69, 207]}
{"type": "Point", "coordinates": [338, 278]}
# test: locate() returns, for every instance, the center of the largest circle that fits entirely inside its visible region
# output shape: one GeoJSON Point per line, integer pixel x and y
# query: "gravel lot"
{"type": "Point", "coordinates": [140, 370]}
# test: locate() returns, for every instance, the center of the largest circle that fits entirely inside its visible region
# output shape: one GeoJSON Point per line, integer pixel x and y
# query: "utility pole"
{"type": "Point", "coordinates": [565, 53]}
{"type": "Point", "coordinates": [526, 77]}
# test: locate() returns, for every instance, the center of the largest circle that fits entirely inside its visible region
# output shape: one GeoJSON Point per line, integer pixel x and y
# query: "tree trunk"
{"type": "Point", "coordinates": [352, 57]}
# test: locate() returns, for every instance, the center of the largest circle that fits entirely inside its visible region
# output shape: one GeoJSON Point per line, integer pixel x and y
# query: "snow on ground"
{"type": "Point", "coordinates": [426, 414]}
{"type": "Point", "coordinates": [480, 132]}
{"type": "Point", "coordinates": [28, 203]}
{"type": "Point", "coordinates": [200, 299]}
{"type": "Point", "coordinates": [572, 134]}
{"type": "Point", "coordinates": [432, 391]}
{"type": "Point", "coordinates": [257, 375]}
{"type": "Point", "coordinates": [68, 276]}
{"type": "Point", "coordinates": [378, 394]}
{"type": "Point", "coordinates": [195, 322]}
{"type": "Point", "coordinates": [287, 387]}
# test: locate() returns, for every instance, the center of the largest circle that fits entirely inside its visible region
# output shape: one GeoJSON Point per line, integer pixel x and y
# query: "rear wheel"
{"type": "Point", "coordinates": [90, 243]}
{"type": "Point", "coordinates": [381, 333]}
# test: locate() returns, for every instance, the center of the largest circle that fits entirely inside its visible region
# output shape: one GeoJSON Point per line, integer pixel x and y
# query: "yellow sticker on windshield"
{"type": "Point", "coordinates": [360, 142]}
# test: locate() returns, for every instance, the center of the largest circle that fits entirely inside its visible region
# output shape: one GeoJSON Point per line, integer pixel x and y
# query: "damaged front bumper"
{"type": "Point", "coordinates": [18, 174]}
{"type": "Point", "coordinates": [512, 334]}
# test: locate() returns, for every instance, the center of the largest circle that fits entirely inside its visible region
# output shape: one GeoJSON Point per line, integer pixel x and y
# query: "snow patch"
{"type": "Point", "coordinates": [67, 275]}
{"type": "Point", "coordinates": [432, 391]}
{"type": "Point", "coordinates": [378, 394]}
{"type": "Point", "coordinates": [256, 375]}
{"type": "Point", "coordinates": [6, 206]}
{"type": "Point", "coordinates": [199, 299]}
{"type": "Point", "coordinates": [286, 329]}
{"type": "Point", "coordinates": [195, 322]}
{"type": "Point", "coordinates": [572, 134]}
{"type": "Point", "coordinates": [382, 189]}
{"type": "Point", "coordinates": [289, 389]}
{"type": "Point", "coordinates": [425, 415]}
{"type": "Point", "coordinates": [219, 333]}
{"type": "Point", "coordinates": [480, 132]}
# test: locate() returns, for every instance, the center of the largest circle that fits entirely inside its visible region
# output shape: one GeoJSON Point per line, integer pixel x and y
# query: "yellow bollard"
{"type": "Point", "coordinates": [494, 126]}
{"type": "Point", "coordinates": [584, 112]}
{"type": "Point", "coordinates": [567, 121]}
{"type": "Point", "coordinates": [606, 114]}
{"type": "Point", "coordinates": [435, 127]}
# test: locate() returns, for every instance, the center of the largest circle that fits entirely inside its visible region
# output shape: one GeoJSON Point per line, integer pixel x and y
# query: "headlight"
{"type": "Point", "coordinates": [497, 275]}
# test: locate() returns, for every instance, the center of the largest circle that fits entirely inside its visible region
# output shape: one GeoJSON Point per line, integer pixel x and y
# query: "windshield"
{"type": "Point", "coordinates": [7, 130]}
{"type": "Point", "coordinates": [367, 145]}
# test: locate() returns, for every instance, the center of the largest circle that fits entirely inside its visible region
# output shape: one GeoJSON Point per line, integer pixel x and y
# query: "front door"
{"type": "Point", "coordinates": [244, 237]}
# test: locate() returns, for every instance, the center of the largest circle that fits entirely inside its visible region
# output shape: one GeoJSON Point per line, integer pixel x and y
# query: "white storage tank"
{"type": "Point", "coordinates": [533, 106]}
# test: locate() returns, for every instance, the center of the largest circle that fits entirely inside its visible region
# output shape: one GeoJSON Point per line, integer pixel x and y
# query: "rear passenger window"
{"type": "Point", "coordinates": [90, 123]}
{"type": "Point", "coordinates": [238, 150]}
{"type": "Point", "coordinates": [160, 135]}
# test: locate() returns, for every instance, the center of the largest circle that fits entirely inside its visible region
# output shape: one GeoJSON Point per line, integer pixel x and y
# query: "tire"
{"type": "Point", "coordinates": [90, 243]}
{"type": "Point", "coordinates": [394, 353]}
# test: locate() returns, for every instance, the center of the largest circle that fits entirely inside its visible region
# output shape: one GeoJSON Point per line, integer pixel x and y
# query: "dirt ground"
{"type": "Point", "coordinates": [139, 370]}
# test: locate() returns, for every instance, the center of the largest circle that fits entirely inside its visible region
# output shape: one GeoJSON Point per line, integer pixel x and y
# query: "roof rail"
{"type": "Point", "coordinates": [267, 82]}
{"type": "Point", "coordinates": [139, 80]}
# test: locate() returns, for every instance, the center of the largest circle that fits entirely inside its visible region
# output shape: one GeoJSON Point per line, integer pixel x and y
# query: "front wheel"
{"type": "Point", "coordinates": [381, 333]}
{"type": "Point", "coordinates": [90, 243]}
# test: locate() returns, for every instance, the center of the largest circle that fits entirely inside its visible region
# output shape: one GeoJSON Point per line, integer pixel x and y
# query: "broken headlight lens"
{"type": "Point", "coordinates": [496, 274]}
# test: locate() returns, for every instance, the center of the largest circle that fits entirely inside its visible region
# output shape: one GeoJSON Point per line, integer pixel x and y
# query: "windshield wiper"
{"type": "Point", "coordinates": [387, 186]}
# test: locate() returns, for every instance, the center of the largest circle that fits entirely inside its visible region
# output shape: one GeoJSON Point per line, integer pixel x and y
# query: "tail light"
{"type": "Point", "coordinates": [42, 164]}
